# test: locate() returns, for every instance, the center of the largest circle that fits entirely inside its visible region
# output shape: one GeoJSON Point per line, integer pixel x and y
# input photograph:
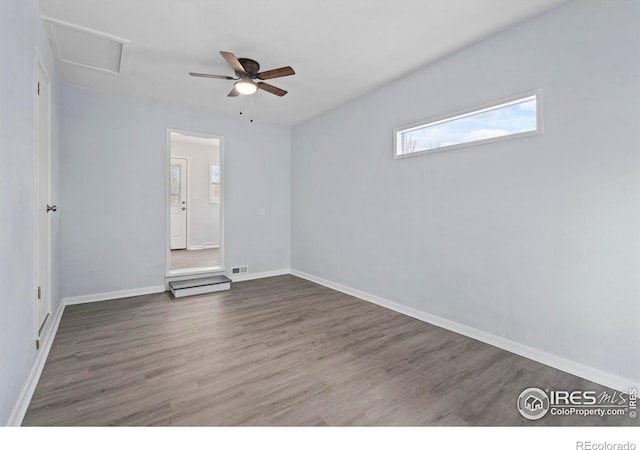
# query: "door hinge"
{"type": "Point", "coordinates": [39, 292]}
{"type": "Point", "coordinates": [38, 88]}
{"type": "Point", "coordinates": [37, 344]}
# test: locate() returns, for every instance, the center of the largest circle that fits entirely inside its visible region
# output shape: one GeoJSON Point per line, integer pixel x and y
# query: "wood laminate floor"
{"type": "Point", "coordinates": [278, 351]}
{"type": "Point", "coordinates": [188, 259]}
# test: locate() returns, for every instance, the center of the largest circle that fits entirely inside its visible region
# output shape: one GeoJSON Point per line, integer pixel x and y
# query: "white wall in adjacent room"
{"type": "Point", "coordinates": [535, 240]}
{"type": "Point", "coordinates": [204, 217]}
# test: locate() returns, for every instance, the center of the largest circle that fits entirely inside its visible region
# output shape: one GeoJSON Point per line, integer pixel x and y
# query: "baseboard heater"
{"type": "Point", "coordinates": [199, 286]}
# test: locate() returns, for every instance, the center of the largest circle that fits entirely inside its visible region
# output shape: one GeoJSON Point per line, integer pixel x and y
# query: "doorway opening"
{"type": "Point", "coordinates": [194, 204]}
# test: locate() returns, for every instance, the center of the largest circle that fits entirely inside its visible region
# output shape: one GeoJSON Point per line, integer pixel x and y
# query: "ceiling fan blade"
{"type": "Point", "coordinates": [233, 93]}
{"type": "Point", "coordinates": [233, 61]}
{"type": "Point", "coordinates": [208, 75]}
{"type": "Point", "coordinates": [271, 88]}
{"type": "Point", "coordinates": [276, 73]}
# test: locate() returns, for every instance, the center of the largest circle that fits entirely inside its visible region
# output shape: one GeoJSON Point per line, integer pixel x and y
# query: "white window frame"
{"type": "Point", "coordinates": [397, 132]}
{"type": "Point", "coordinates": [211, 199]}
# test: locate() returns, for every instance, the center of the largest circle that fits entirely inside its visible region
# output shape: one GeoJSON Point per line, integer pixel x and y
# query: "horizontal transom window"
{"type": "Point", "coordinates": [515, 117]}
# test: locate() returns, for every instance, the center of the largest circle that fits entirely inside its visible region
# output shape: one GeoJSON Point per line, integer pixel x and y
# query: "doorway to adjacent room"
{"type": "Point", "coordinates": [194, 203]}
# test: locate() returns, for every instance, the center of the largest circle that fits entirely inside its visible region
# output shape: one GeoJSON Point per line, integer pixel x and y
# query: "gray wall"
{"type": "Point", "coordinates": [114, 167]}
{"type": "Point", "coordinates": [535, 239]}
{"type": "Point", "coordinates": [204, 217]}
{"type": "Point", "coordinates": [21, 31]}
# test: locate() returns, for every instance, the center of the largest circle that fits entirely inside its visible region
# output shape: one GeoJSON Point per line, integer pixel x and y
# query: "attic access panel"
{"type": "Point", "coordinates": [85, 47]}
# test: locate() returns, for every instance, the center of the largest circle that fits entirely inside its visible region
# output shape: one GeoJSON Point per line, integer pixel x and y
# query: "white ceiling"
{"type": "Point", "coordinates": [340, 49]}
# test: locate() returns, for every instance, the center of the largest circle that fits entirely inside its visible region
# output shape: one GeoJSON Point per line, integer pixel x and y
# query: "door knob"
{"type": "Point", "coordinates": [53, 208]}
{"type": "Point", "coordinates": [183, 208]}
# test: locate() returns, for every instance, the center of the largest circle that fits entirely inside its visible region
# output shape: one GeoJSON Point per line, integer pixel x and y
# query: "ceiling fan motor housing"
{"type": "Point", "coordinates": [252, 67]}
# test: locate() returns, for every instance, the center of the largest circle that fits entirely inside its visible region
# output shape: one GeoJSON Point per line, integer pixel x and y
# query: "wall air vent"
{"type": "Point", "coordinates": [80, 46]}
{"type": "Point", "coordinates": [239, 270]}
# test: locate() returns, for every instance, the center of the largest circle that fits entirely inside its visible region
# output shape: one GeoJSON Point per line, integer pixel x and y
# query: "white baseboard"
{"type": "Point", "coordinates": [113, 295]}
{"type": "Point", "coordinates": [29, 387]}
{"type": "Point", "coordinates": [549, 359]}
{"type": "Point", "coordinates": [257, 275]}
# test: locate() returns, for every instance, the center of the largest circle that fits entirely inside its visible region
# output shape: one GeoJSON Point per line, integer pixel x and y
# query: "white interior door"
{"type": "Point", "coordinates": [178, 198]}
{"type": "Point", "coordinates": [44, 210]}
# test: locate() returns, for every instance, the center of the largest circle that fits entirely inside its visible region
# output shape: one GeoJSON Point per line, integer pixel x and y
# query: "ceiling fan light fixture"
{"type": "Point", "coordinates": [246, 87]}
{"type": "Point", "coordinates": [246, 71]}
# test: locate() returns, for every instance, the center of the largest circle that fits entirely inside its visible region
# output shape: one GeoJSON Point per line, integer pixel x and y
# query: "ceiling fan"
{"type": "Point", "coordinates": [246, 71]}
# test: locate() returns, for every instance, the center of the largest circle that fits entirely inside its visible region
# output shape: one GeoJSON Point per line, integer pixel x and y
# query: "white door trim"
{"type": "Point", "coordinates": [39, 64]}
{"type": "Point", "coordinates": [199, 270]}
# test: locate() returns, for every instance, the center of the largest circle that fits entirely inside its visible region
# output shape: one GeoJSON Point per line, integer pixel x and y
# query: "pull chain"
{"type": "Point", "coordinates": [242, 100]}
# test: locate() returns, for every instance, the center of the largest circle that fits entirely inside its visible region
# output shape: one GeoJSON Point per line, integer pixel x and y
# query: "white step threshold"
{"type": "Point", "coordinates": [199, 286]}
